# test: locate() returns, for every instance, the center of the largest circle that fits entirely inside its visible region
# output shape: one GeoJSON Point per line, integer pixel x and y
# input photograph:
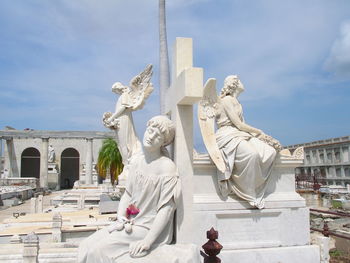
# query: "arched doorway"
{"type": "Point", "coordinates": [69, 168]}
{"type": "Point", "coordinates": [30, 163]}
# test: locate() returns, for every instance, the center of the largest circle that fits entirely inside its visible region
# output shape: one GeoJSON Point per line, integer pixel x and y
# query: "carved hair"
{"type": "Point", "coordinates": [118, 87]}
{"type": "Point", "coordinates": [231, 83]}
{"type": "Point", "coordinates": [165, 126]}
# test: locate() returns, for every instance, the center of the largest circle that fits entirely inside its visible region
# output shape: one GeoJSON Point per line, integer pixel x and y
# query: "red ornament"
{"type": "Point", "coordinates": [132, 210]}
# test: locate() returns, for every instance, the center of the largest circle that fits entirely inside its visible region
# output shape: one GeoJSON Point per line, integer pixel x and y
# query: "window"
{"type": "Point", "coordinates": [338, 172]}
{"type": "Point", "coordinates": [308, 159]}
{"type": "Point", "coordinates": [346, 154]}
{"type": "Point", "coordinates": [337, 156]}
{"type": "Point", "coordinates": [321, 158]}
{"type": "Point", "coordinates": [329, 157]}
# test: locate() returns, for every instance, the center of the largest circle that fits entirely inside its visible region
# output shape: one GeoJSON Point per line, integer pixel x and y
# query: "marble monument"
{"type": "Point", "coordinates": [145, 220]}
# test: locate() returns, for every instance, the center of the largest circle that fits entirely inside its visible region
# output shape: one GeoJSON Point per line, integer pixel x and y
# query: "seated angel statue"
{"type": "Point", "coordinates": [131, 98]}
{"type": "Point", "coordinates": [243, 154]}
{"type": "Point", "coordinates": [146, 209]}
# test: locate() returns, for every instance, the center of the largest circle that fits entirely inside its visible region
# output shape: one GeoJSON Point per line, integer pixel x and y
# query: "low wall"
{"type": "Point", "coordinates": [20, 181]}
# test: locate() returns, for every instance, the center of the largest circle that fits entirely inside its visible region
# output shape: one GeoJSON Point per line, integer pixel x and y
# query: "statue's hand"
{"type": "Point", "coordinates": [139, 249]}
{"type": "Point", "coordinates": [258, 133]}
{"type": "Point", "coordinates": [117, 225]}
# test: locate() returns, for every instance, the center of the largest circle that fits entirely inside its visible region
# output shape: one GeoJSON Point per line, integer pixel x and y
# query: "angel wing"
{"type": "Point", "coordinates": [141, 88]}
{"type": "Point", "coordinates": [206, 116]}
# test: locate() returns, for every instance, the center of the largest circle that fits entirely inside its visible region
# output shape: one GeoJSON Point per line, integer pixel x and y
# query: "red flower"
{"type": "Point", "coordinates": [132, 210]}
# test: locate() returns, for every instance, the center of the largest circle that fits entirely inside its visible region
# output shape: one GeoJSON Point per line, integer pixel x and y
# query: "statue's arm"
{"type": "Point", "coordinates": [163, 217]}
{"type": "Point", "coordinates": [123, 204]}
{"type": "Point", "coordinates": [119, 111]}
{"type": "Point", "coordinates": [233, 116]}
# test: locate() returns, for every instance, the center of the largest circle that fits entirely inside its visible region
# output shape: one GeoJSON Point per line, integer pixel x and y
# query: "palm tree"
{"type": "Point", "coordinates": [109, 160]}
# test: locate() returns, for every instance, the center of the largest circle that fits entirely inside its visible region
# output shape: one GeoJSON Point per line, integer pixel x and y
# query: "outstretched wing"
{"type": "Point", "coordinates": [206, 116]}
{"type": "Point", "coordinates": [141, 87]}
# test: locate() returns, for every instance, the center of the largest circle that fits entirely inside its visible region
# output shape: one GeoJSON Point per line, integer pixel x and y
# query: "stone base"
{"type": "Point", "coordinates": [53, 181]}
{"type": "Point", "coordinates": [65, 252]}
{"type": "Point", "coordinates": [177, 253]}
{"type": "Point", "coordinates": [280, 223]}
{"type": "Point", "coordinates": [278, 233]}
{"type": "Point", "coordinates": [309, 254]}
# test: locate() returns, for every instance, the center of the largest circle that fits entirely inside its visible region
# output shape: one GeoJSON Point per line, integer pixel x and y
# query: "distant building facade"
{"type": "Point", "coordinates": [326, 162]}
{"type": "Point", "coordinates": [56, 158]}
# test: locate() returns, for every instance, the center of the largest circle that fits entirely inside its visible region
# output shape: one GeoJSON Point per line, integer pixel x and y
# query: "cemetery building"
{"type": "Point", "coordinates": [326, 161]}
{"type": "Point", "coordinates": [56, 158]}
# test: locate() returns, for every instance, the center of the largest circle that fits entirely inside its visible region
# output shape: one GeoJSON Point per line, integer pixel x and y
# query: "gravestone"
{"type": "Point", "coordinates": [107, 205]}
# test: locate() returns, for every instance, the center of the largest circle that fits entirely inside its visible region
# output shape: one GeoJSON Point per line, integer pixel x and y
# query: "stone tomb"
{"type": "Point", "coordinates": [278, 233]}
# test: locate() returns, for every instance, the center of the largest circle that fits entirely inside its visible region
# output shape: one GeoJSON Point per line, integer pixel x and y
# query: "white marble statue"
{"type": "Point", "coordinates": [146, 209]}
{"type": "Point", "coordinates": [131, 98]}
{"type": "Point", "coordinates": [51, 154]}
{"type": "Point", "coordinates": [244, 155]}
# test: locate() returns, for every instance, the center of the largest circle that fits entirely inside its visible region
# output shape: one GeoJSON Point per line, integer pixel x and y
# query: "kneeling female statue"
{"type": "Point", "coordinates": [243, 154]}
{"type": "Point", "coordinates": [146, 210]}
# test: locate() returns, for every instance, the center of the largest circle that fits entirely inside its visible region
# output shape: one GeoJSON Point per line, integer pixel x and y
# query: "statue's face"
{"type": "Point", "coordinates": [153, 139]}
{"type": "Point", "coordinates": [240, 87]}
{"type": "Point", "coordinates": [236, 86]}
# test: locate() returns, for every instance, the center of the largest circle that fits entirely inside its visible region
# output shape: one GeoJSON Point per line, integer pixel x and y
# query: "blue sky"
{"type": "Point", "coordinates": [59, 59]}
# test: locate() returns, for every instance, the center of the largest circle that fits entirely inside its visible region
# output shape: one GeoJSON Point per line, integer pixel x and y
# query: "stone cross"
{"type": "Point", "coordinates": [186, 89]}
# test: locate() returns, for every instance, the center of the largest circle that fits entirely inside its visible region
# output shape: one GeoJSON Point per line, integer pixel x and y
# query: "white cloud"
{"type": "Point", "coordinates": [60, 58]}
{"type": "Point", "coordinates": [338, 61]}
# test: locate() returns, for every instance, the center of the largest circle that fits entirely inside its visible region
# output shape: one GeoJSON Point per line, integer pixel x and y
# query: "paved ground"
{"type": "Point", "coordinates": [7, 212]}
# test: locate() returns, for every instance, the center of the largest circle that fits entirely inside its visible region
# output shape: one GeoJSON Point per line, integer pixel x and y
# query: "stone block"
{"type": "Point", "coordinates": [10, 202]}
{"type": "Point", "coordinates": [107, 205]}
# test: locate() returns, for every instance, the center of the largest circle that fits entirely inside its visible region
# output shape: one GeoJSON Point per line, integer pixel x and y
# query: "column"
{"type": "Point", "coordinates": [43, 162]}
{"type": "Point", "coordinates": [88, 166]}
{"type": "Point", "coordinates": [12, 166]}
{"type": "Point", "coordinates": [1, 156]}
{"type": "Point", "coordinates": [326, 171]}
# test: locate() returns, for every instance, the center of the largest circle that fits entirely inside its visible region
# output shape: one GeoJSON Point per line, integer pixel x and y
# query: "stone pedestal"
{"type": "Point", "coordinates": [30, 248]}
{"type": "Point", "coordinates": [278, 233]}
{"type": "Point", "coordinates": [56, 228]}
{"type": "Point", "coordinates": [36, 204]}
{"type": "Point", "coordinates": [53, 177]}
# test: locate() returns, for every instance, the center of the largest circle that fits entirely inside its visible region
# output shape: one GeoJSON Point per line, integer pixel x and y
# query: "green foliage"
{"type": "Point", "coordinates": [335, 253]}
{"type": "Point", "coordinates": [109, 159]}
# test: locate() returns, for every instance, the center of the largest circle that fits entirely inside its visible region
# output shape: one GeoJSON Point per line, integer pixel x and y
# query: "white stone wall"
{"type": "Point", "coordinates": [59, 144]}
{"type": "Point", "coordinates": [331, 156]}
